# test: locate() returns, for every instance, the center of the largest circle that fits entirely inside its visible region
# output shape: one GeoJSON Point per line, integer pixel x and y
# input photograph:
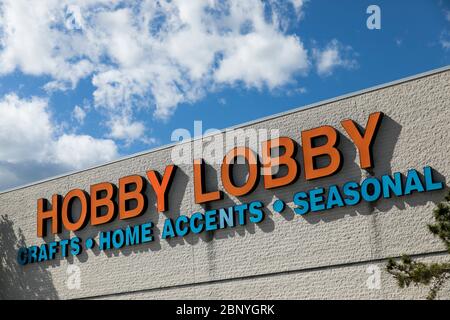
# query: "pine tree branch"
{"type": "Point", "coordinates": [408, 271]}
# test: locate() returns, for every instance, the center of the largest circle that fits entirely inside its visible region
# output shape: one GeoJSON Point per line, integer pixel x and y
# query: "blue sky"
{"type": "Point", "coordinates": [85, 82]}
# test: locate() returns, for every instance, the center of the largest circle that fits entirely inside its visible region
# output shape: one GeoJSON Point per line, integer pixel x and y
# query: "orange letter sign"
{"type": "Point", "coordinates": [201, 196]}
{"type": "Point", "coordinates": [253, 172]}
{"type": "Point", "coordinates": [286, 159]}
{"type": "Point", "coordinates": [44, 214]}
{"type": "Point", "coordinates": [107, 201]}
{"type": "Point", "coordinates": [126, 195]}
{"type": "Point", "coordinates": [66, 211]}
{"type": "Point", "coordinates": [310, 152]}
{"type": "Point", "coordinates": [364, 142]}
{"type": "Point", "coordinates": [161, 187]}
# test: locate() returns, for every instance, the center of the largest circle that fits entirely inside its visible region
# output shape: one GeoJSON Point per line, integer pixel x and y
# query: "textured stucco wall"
{"type": "Point", "coordinates": [322, 255]}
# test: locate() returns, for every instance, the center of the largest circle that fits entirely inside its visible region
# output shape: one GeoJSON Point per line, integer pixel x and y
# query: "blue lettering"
{"type": "Point", "coordinates": [334, 197]}
{"type": "Point", "coordinates": [353, 196]}
{"type": "Point", "coordinates": [168, 229]}
{"type": "Point", "coordinates": [376, 189]}
{"type": "Point", "coordinates": [226, 218]}
{"type": "Point", "coordinates": [392, 184]}
{"type": "Point", "coordinates": [210, 220]}
{"type": "Point", "coordinates": [413, 182]}
{"type": "Point", "coordinates": [256, 214]}
{"type": "Point", "coordinates": [301, 203]}
{"type": "Point", "coordinates": [429, 184]}
{"type": "Point", "coordinates": [316, 198]}
{"type": "Point", "coordinates": [147, 231]}
{"type": "Point", "coordinates": [179, 230]}
{"type": "Point", "coordinates": [197, 228]}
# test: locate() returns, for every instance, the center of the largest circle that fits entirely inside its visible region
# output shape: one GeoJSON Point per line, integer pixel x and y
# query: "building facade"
{"type": "Point", "coordinates": [336, 253]}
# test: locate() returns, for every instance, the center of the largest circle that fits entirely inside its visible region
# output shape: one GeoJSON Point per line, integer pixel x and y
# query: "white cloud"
{"type": "Point", "coordinates": [124, 129]}
{"type": "Point", "coordinates": [445, 41]}
{"type": "Point", "coordinates": [82, 151]}
{"type": "Point", "coordinates": [444, 38]}
{"type": "Point", "coordinates": [332, 56]}
{"type": "Point", "coordinates": [300, 90]}
{"type": "Point", "coordinates": [155, 54]}
{"type": "Point", "coordinates": [268, 59]}
{"type": "Point", "coordinates": [31, 148]}
{"type": "Point", "coordinates": [32, 42]}
{"type": "Point", "coordinates": [298, 5]}
{"type": "Point", "coordinates": [25, 127]}
{"type": "Point", "coordinates": [79, 114]}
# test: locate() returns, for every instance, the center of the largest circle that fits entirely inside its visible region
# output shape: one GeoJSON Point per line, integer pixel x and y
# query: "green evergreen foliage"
{"type": "Point", "coordinates": [407, 271]}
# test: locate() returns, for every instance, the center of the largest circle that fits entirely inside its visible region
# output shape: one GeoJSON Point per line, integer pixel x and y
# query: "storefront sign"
{"type": "Point", "coordinates": [104, 202]}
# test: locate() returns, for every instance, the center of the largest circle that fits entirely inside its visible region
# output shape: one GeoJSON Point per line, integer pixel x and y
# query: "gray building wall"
{"type": "Point", "coordinates": [321, 255]}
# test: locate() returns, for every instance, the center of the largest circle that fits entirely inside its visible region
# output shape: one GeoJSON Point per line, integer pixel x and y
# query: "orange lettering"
{"type": "Point", "coordinates": [253, 172]}
{"type": "Point", "coordinates": [286, 159]}
{"type": "Point", "coordinates": [44, 214]}
{"type": "Point", "coordinates": [161, 187]}
{"type": "Point", "coordinates": [364, 142]}
{"type": "Point", "coordinates": [66, 210]}
{"type": "Point", "coordinates": [107, 201]}
{"type": "Point", "coordinates": [126, 195]}
{"type": "Point", "coordinates": [201, 196]}
{"type": "Point", "coordinates": [311, 152]}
